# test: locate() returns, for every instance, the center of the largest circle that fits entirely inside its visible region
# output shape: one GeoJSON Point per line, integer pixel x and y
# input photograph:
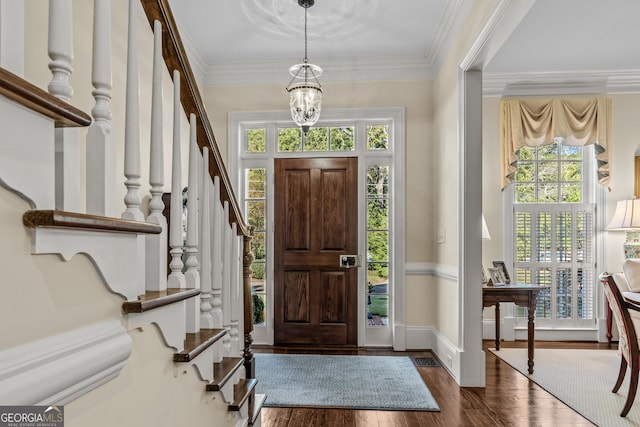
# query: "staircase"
{"type": "Point", "coordinates": [125, 312]}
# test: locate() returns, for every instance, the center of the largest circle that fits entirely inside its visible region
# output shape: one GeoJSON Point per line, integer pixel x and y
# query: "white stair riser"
{"type": "Point", "coordinates": [27, 154]}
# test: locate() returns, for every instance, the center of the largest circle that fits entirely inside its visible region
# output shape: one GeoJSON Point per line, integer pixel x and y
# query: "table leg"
{"type": "Point", "coordinates": [609, 324]}
{"type": "Point", "coordinates": [531, 311]}
{"type": "Point", "coordinates": [497, 326]}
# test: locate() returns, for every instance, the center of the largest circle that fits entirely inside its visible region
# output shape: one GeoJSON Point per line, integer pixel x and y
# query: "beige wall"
{"type": "Point", "coordinates": [446, 166]}
{"type": "Point", "coordinates": [416, 97]}
{"type": "Point", "coordinates": [44, 295]}
{"type": "Point", "coordinates": [624, 147]}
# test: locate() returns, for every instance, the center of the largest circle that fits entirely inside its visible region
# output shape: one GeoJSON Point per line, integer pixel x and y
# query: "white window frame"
{"type": "Point", "coordinates": [514, 328]}
{"type": "Point", "coordinates": [394, 157]}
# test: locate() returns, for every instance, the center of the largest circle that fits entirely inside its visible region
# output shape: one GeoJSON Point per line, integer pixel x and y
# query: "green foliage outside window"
{"type": "Point", "coordinates": [256, 140]}
{"type": "Point", "coordinates": [549, 174]}
{"type": "Point", "coordinates": [378, 137]}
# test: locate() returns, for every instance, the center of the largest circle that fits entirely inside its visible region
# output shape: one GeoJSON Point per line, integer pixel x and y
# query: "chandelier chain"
{"type": "Point", "coordinates": [305, 35]}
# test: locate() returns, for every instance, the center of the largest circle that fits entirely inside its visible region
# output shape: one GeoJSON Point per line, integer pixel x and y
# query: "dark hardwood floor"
{"type": "Point", "coordinates": [509, 398]}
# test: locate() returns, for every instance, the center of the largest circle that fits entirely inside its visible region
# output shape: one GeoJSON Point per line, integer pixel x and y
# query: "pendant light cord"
{"type": "Point", "coordinates": [305, 35]}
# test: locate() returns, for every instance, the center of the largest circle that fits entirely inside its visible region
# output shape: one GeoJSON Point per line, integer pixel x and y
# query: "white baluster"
{"type": "Point", "coordinates": [101, 195]}
{"type": "Point", "coordinates": [226, 279]}
{"type": "Point", "coordinates": [131, 124]}
{"type": "Point", "coordinates": [234, 269]}
{"type": "Point", "coordinates": [67, 151]}
{"type": "Point", "coordinates": [176, 277]}
{"type": "Point", "coordinates": [60, 48]}
{"type": "Point", "coordinates": [157, 243]}
{"type": "Point", "coordinates": [192, 277]}
{"type": "Point", "coordinates": [216, 255]}
{"type": "Point", "coordinates": [206, 321]}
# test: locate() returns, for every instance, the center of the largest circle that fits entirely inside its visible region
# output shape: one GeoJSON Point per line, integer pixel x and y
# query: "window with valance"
{"type": "Point", "coordinates": [536, 122]}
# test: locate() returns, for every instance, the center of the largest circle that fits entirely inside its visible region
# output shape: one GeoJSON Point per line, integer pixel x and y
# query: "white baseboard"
{"type": "Point", "coordinates": [60, 368]}
{"type": "Point", "coordinates": [428, 338]}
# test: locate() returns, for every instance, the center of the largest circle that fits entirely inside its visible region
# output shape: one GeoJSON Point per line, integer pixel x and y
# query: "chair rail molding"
{"type": "Point", "coordinates": [442, 271]}
{"type": "Point", "coordinates": [60, 368]}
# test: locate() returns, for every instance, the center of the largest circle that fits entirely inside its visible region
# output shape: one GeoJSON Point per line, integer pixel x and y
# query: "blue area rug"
{"type": "Point", "coordinates": [353, 382]}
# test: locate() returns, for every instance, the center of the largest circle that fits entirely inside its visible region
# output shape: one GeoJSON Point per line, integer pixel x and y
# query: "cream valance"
{"type": "Point", "coordinates": [535, 122]}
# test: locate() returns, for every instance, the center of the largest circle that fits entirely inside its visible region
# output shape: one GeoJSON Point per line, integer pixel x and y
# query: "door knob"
{"type": "Point", "coordinates": [349, 261]}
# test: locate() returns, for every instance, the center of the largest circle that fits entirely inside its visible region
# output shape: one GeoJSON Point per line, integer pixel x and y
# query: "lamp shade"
{"type": "Point", "coordinates": [485, 230]}
{"type": "Point", "coordinates": [626, 216]}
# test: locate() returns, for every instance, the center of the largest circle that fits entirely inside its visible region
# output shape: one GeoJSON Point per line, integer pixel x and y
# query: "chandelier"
{"type": "Point", "coordinates": [305, 93]}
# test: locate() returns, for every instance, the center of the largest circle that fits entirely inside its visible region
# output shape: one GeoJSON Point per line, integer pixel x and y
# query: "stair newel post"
{"type": "Point", "coordinates": [191, 275]}
{"type": "Point", "coordinates": [131, 125]}
{"type": "Point", "coordinates": [247, 260]}
{"type": "Point", "coordinates": [176, 277]}
{"type": "Point", "coordinates": [156, 250]}
{"type": "Point", "coordinates": [67, 144]}
{"type": "Point", "coordinates": [234, 279]}
{"type": "Point", "coordinates": [216, 256]}
{"type": "Point", "coordinates": [60, 48]}
{"type": "Point", "coordinates": [206, 319]}
{"type": "Point", "coordinates": [226, 278]}
{"type": "Point", "coordinates": [101, 195]}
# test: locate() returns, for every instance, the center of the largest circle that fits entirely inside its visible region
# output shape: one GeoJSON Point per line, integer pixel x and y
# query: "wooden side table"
{"type": "Point", "coordinates": [524, 295]}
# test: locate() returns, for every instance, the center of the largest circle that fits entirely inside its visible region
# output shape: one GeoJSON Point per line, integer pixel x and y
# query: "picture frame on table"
{"type": "Point", "coordinates": [505, 273]}
{"type": "Point", "coordinates": [496, 276]}
{"type": "Point", "coordinates": [485, 279]}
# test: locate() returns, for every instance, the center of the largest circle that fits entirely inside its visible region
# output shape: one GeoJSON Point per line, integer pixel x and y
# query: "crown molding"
{"type": "Point", "coordinates": [561, 83]}
{"type": "Point", "coordinates": [453, 17]}
{"type": "Point", "coordinates": [334, 70]}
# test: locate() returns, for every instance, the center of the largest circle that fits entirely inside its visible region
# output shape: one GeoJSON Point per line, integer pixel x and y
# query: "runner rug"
{"type": "Point", "coordinates": [582, 379]}
{"type": "Point", "coordinates": [353, 382]}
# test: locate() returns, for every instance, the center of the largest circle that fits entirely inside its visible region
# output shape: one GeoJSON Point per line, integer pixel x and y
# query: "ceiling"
{"type": "Point", "coordinates": [588, 45]}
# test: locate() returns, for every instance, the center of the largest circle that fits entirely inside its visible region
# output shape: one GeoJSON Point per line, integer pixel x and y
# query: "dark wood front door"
{"type": "Point", "coordinates": [316, 221]}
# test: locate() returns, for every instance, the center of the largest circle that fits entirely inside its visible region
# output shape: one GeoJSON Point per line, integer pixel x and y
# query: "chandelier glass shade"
{"type": "Point", "coordinates": [305, 92]}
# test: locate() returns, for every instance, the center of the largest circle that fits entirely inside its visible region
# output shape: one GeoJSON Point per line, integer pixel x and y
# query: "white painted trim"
{"type": "Point", "coordinates": [502, 20]}
{"type": "Point", "coordinates": [61, 368]}
{"type": "Point", "coordinates": [419, 337]}
{"type": "Point", "coordinates": [27, 153]}
{"type": "Point", "coordinates": [171, 321]}
{"type": "Point", "coordinates": [232, 73]}
{"type": "Point", "coordinates": [453, 17]}
{"type": "Point", "coordinates": [446, 272]}
{"type": "Point", "coordinates": [393, 115]}
{"type": "Point", "coordinates": [120, 272]}
{"type": "Point", "coordinates": [561, 83]}
{"type": "Point", "coordinates": [448, 354]}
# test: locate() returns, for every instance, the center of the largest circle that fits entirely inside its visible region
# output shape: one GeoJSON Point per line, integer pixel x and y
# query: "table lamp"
{"type": "Point", "coordinates": [627, 218]}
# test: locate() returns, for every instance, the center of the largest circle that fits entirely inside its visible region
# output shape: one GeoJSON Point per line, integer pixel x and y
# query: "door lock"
{"type": "Point", "coordinates": [349, 261]}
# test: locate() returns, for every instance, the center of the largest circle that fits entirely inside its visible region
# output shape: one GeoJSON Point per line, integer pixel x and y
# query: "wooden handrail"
{"type": "Point", "coordinates": [21, 91]}
{"type": "Point", "coordinates": [175, 58]}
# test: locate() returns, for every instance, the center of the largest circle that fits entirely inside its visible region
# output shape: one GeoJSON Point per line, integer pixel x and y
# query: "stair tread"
{"type": "Point", "coordinates": [196, 343]}
{"type": "Point", "coordinates": [154, 299]}
{"type": "Point", "coordinates": [241, 392]}
{"type": "Point", "coordinates": [25, 93]}
{"type": "Point", "coordinates": [223, 371]}
{"type": "Point", "coordinates": [56, 218]}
